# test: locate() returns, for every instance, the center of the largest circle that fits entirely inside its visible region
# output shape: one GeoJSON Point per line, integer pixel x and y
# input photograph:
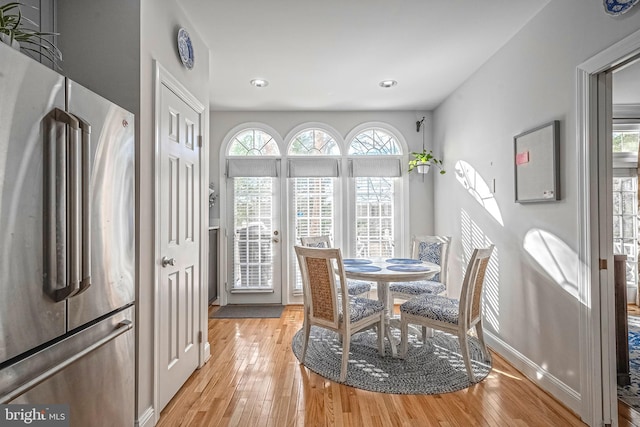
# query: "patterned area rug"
{"type": "Point", "coordinates": [433, 368]}
{"type": "Point", "coordinates": [631, 394]}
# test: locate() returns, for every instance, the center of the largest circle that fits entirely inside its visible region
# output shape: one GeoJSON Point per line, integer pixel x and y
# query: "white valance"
{"type": "Point", "coordinates": [314, 168]}
{"type": "Point", "coordinates": [253, 168]}
{"type": "Point", "coordinates": [374, 167]}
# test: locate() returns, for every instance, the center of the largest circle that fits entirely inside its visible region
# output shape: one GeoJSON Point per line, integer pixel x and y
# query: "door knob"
{"type": "Point", "coordinates": [168, 261]}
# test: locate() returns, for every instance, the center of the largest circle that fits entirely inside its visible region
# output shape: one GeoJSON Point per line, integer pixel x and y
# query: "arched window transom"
{"type": "Point", "coordinates": [253, 142]}
{"type": "Point", "coordinates": [312, 142]}
{"type": "Point", "coordinates": [374, 142]}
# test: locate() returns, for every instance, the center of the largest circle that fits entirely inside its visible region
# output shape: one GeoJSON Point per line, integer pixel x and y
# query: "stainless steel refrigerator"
{"type": "Point", "coordinates": [67, 260]}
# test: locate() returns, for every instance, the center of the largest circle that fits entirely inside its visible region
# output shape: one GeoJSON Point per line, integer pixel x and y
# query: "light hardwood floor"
{"type": "Point", "coordinates": [253, 379]}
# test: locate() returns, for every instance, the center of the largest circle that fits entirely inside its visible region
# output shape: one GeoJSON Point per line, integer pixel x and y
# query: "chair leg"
{"type": "Point", "coordinates": [480, 333]}
{"type": "Point", "coordinates": [307, 332]}
{"type": "Point", "coordinates": [426, 333]}
{"type": "Point", "coordinates": [404, 337]}
{"type": "Point", "coordinates": [464, 349]}
{"type": "Point", "coordinates": [346, 342]}
{"type": "Point", "coordinates": [380, 330]}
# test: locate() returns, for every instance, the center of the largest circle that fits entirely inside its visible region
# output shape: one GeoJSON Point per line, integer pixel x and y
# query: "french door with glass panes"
{"type": "Point", "coordinates": [254, 275]}
{"type": "Point", "coordinates": [313, 214]}
{"type": "Point", "coordinates": [375, 217]}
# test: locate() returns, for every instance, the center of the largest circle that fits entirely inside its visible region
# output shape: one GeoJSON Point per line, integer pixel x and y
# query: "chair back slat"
{"type": "Point", "coordinates": [470, 308]}
{"type": "Point", "coordinates": [433, 249]}
{"type": "Point", "coordinates": [476, 304]}
{"type": "Point", "coordinates": [322, 291]}
{"type": "Point", "coordinates": [316, 241]}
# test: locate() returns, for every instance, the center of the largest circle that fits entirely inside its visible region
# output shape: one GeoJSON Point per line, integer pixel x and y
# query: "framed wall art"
{"type": "Point", "coordinates": [537, 164]}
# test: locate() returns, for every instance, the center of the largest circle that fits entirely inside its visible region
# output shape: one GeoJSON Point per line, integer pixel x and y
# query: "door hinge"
{"type": "Point", "coordinates": [603, 264]}
{"type": "Point", "coordinates": [200, 337]}
{"type": "Point", "coordinates": [200, 141]}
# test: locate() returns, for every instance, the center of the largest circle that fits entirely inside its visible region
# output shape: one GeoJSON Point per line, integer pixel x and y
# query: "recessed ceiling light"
{"type": "Point", "coordinates": [388, 83]}
{"type": "Point", "coordinates": [259, 82]}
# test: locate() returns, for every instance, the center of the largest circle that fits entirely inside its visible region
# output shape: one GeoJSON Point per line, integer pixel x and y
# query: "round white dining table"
{"type": "Point", "coordinates": [384, 271]}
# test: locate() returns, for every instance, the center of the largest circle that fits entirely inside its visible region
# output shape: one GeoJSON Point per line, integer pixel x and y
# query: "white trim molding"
{"type": "Point", "coordinates": [146, 419]}
{"type": "Point", "coordinates": [539, 376]}
{"type": "Point", "coordinates": [626, 111]}
{"type": "Point", "coordinates": [596, 398]}
{"type": "Point", "coordinates": [162, 77]}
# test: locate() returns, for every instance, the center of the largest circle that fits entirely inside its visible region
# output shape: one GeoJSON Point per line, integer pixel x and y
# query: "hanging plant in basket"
{"type": "Point", "coordinates": [30, 42]}
{"type": "Point", "coordinates": [423, 161]}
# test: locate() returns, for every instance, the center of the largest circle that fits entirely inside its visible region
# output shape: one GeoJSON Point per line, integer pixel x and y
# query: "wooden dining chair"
{"type": "Point", "coordinates": [455, 316]}
{"type": "Point", "coordinates": [433, 249]}
{"type": "Point", "coordinates": [327, 304]}
{"type": "Point", "coordinates": [354, 287]}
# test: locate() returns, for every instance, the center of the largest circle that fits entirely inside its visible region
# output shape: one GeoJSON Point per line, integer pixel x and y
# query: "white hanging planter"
{"type": "Point", "coordinates": [6, 39]}
{"type": "Point", "coordinates": [423, 167]}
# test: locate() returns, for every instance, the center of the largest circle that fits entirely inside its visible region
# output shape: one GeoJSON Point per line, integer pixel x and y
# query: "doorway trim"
{"type": "Point", "coordinates": [162, 77]}
{"type": "Point", "coordinates": [597, 364]}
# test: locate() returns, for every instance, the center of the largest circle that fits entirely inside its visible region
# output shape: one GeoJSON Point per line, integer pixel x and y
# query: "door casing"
{"type": "Point", "coordinates": [163, 77]}
{"type": "Point", "coordinates": [594, 211]}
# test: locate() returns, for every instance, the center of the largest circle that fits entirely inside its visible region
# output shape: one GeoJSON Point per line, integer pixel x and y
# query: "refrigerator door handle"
{"type": "Point", "coordinates": [85, 145]}
{"type": "Point", "coordinates": [120, 329]}
{"type": "Point", "coordinates": [73, 194]}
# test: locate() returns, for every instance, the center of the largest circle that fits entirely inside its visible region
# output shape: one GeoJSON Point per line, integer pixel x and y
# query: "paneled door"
{"type": "Point", "coordinates": [179, 281]}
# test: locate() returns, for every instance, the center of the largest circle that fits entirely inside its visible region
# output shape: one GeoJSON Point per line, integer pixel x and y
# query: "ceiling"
{"type": "Point", "coordinates": [330, 55]}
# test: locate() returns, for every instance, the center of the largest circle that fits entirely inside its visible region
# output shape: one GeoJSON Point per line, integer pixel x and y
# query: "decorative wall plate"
{"type": "Point", "coordinates": [185, 48]}
{"type": "Point", "coordinates": [618, 7]}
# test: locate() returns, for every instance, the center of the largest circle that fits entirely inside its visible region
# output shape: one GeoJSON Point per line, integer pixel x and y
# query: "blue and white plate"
{"type": "Point", "coordinates": [408, 268]}
{"type": "Point", "coordinates": [403, 261]}
{"type": "Point", "coordinates": [361, 268]}
{"type": "Point", "coordinates": [185, 48]}
{"type": "Point", "coordinates": [618, 7]}
{"type": "Point", "coordinates": [356, 261]}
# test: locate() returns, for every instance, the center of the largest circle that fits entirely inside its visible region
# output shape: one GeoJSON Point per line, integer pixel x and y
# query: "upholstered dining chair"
{"type": "Point", "coordinates": [354, 287]}
{"type": "Point", "coordinates": [327, 304]}
{"type": "Point", "coordinates": [433, 249]}
{"type": "Point", "coordinates": [455, 316]}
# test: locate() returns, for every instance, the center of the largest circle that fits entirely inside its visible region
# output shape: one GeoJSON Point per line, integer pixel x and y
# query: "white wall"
{"type": "Point", "coordinates": [160, 21]}
{"type": "Point", "coordinates": [96, 56]}
{"type": "Point", "coordinates": [532, 305]}
{"type": "Point", "coordinates": [626, 85]}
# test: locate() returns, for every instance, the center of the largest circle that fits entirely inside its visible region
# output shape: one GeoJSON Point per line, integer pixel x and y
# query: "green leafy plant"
{"type": "Point", "coordinates": [31, 42]}
{"type": "Point", "coordinates": [425, 158]}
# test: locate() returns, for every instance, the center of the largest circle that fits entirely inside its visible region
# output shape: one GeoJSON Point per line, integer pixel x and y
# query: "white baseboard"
{"type": "Point", "coordinates": [543, 379]}
{"type": "Point", "coordinates": [147, 419]}
{"type": "Point", "coordinates": [207, 353]}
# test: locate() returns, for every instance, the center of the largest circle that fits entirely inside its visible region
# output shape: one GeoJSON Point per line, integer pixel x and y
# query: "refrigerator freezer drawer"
{"type": "Point", "coordinates": [98, 385]}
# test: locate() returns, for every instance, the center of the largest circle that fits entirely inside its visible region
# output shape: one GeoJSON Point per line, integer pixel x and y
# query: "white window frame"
{"type": "Point", "coordinates": [401, 197]}
{"type": "Point", "coordinates": [344, 233]}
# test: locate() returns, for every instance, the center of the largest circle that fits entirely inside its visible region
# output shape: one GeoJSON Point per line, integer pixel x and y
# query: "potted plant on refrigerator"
{"type": "Point", "coordinates": [31, 42]}
{"type": "Point", "coordinates": [423, 161]}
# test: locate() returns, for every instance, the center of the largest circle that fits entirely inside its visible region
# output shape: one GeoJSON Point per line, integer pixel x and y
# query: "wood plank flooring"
{"type": "Point", "coordinates": [253, 379]}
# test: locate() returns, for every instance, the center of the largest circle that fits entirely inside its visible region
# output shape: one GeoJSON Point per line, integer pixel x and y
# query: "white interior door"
{"type": "Point", "coordinates": [179, 278]}
{"type": "Point", "coordinates": [255, 262]}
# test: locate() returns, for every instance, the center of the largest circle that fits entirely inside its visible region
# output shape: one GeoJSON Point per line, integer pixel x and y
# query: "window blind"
{"type": "Point", "coordinates": [253, 168]}
{"type": "Point", "coordinates": [372, 167]}
{"type": "Point", "coordinates": [314, 168]}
